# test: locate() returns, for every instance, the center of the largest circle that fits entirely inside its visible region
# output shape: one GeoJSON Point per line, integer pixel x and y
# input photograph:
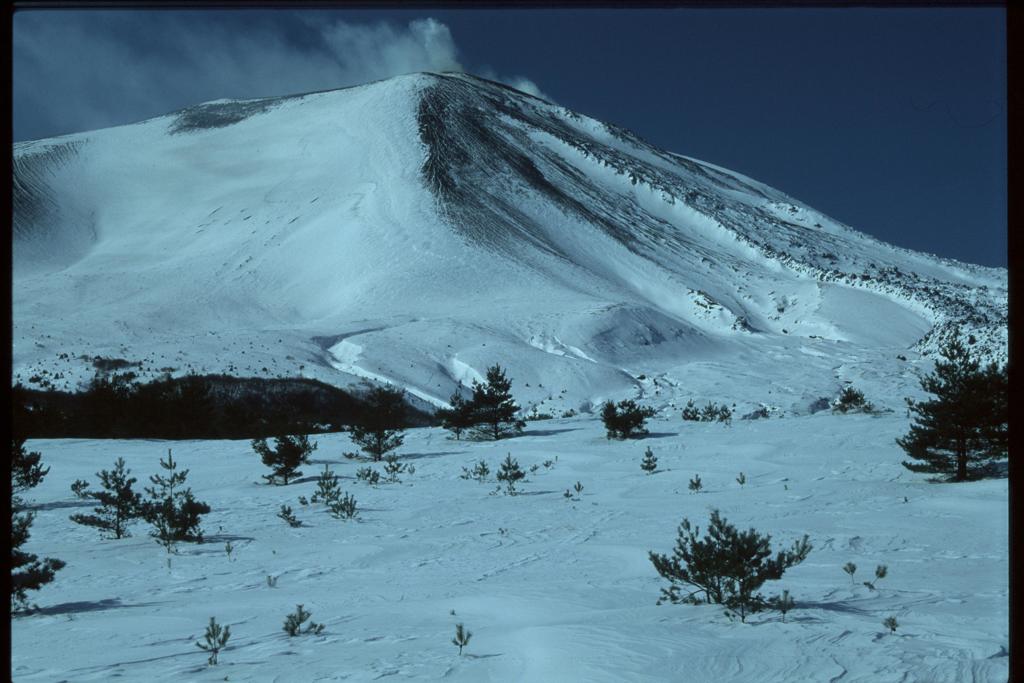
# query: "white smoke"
{"type": "Point", "coordinates": [78, 71]}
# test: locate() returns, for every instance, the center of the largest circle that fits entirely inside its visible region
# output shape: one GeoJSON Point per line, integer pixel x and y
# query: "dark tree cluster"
{"type": "Point", "coordinates": [625, 419]}
{"type": "Point", "coordinates": [711, 412]}
{"type": "Point", "coordinates": [191, 407]}
{"type": "Point", "coordinates": [491, 412]}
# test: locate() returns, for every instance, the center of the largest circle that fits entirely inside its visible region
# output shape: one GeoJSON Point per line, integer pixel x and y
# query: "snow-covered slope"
{"type": "Point", "coordinates": [419, 229]}
{"type": "Point", "coordinates": [552, 590]}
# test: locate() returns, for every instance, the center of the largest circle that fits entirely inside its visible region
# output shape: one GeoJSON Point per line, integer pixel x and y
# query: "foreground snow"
{"type": "Point", "coordinates": [552, 590]}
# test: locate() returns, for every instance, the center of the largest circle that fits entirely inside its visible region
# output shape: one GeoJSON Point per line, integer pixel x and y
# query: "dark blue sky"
{"type": "Point", "coordinates": [890, 120]}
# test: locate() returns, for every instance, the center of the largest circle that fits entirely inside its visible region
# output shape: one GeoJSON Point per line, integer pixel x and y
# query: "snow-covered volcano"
{"type": "Point", "coordinates": [419, 229]}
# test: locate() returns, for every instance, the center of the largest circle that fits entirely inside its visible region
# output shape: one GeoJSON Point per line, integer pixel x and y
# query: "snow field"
{"type": "Point", "coordinates": [552, 590]}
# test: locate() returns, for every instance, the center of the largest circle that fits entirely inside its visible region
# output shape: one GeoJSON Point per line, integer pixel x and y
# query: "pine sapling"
{"type": "Point", "coordinates": [293, 623]}
{"type": "Point", "coordinates": [175, 514]}
{"type": "Point", "coordinates": [285, 458]}
{"type": "Point", "coordinates": [369, 475]}
{"type": "Point", "coordinates": [650, 463]}
{"type": "Point", "coordinates": [344, 507]}
{"type": "Point", "coordinates": [287, 515]}
{"type": "Point", "coordinates": [216, 640]}
{"type": "Point", "coordinates": [479, 472]}
{"type": "Point", "coordinates": [880, 573]}
{"type": "Point", "coordinates": [510, 474]}
{"type": "Point", "coordinates": [742, 479]}
{"type": "Point", "coordinates": [461, 638]}
{"type": "Point", "coordinates": [726, 567]}
{"type": "Point", "coordinates": [783, 603]}
{"type": "Point", "coordinates": [392, 468]}
{"type": "Point", "coordinates": [327, 488]}
{"type": "Point", "coordinates": [695, 484]}
{"type": "Point", "coordinates": [271, 581]}
{"type": "Point", "coordinates": [117, 505]}
{"type": "Point", "coordinates": [578, 488]}
{"type": "Point", "coordinates": [850, 568]}
{"type": "Point", "coordinates": [228, 549]}
{"type": "Point", "coordinates": [891, 624]}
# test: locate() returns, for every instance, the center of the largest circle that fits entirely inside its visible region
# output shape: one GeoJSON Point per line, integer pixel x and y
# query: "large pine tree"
{"type": "Point", "coordinates": [964, 427]}
{"type": "Point", "coordinates": [493, 408]}
{"type": "Point", "coordinates": [459, 417]}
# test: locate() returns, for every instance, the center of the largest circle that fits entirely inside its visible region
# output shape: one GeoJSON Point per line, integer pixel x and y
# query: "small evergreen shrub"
{"type": "Point", "coordinates": [650, 463]}
{"type": "Point", "coordinates": [117, 505]}
{"type": "Point", "coordinates": [327, 487]}
{"type": "Point", "coordinates": [783, 603]}
{"type": "Point", "coordinates": [293, 623]}
{"type": "Point", "coordinates": [711, 412]}
{"type": "Point", "coordinates": [392, 468]}
{"type": "Point", "coordinates": [759, 413]}
{"type": "Point", "coordinates": [286, 514]}
{"type": "Point", "coordinates": [369, 475]}
{"type": "Point", "coordinates": [891, 624]}
{"type": "Point", "coordinates": [625, 419]}
{"type": "Point", "coordinates": [379, 429]}
{"type": "Point", "coordinates": [727, 566]}
{"type": "Point", "coordinates": [479, 472]}
{"type": "Point", "coordinates": [510, 473]}
{"type": "Point", "coordinates": [344, 507]}
{"type": "Point", "coordinates": [852, 400]}
{"type": "Point", "coordinates": [175, 514]}
{"type": "Point", "coordinates": [850, 568]}
{"type": "Point", "coordinates": [285, 459]}
{"type": "Point", "coordinates": [881, 571]}
{"type": "Point", "coordinates": [216, 639]}
{"type": "Point", "coordinates": [695, 484]}
{"type": "Point", "coordinates": [742, 479]}
{"type": "Point", "coordinates": [461, 638]}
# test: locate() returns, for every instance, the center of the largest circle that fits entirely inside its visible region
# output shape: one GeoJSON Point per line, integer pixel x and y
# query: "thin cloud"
{"type": "Point", "coordinates": [75, 71]}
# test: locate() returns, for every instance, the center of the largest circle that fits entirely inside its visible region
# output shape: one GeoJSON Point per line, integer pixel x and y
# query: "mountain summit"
{"type": "Point", "coordinates": [419, 229]}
